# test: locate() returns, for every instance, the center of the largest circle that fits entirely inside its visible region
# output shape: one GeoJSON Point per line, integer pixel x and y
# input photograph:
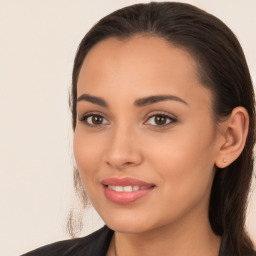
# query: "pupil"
{"type": "Point", "coordinates": [160, 120]}
{"type": "Point", "coordinates": [97, 119]}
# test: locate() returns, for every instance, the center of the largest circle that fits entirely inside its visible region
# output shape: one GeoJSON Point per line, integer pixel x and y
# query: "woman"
{"type": "Point", "coordinates": [164, 128]}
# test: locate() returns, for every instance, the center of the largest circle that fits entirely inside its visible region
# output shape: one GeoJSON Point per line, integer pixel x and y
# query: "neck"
{"type": "Point", "coordinates": [180, 239]}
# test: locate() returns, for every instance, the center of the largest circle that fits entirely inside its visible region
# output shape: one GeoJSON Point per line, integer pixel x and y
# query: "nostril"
{"type": "Point", "coordinates": [120, 159]}
{"type": "Point", "coordinates": [121, 165]}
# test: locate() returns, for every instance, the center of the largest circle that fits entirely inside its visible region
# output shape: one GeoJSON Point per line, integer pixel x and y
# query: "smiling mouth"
{"type": "Point", "coordinates": [127, 188]}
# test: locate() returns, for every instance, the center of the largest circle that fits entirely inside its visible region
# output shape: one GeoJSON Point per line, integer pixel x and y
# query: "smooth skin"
{"type": "Point", "coordinates": [174, 144]}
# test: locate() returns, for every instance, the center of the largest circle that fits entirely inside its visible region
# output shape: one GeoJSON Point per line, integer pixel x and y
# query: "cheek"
{"type": "Point", "coordinates": [86, 153]}
{"type": "Point", "coordinates": [185, 173]}
{"type": "Point", "coordinates": [185, 183]}
{"type": "Point", "coordinates": [181, 151]}
{"type": "Point", "coordinates": [185, 163]}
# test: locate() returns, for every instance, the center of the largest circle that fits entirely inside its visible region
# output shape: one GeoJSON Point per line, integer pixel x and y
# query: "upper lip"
{"type": "Point", "coordinates": [126, 181]}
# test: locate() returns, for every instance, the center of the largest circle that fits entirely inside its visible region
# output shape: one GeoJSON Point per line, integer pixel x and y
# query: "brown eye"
{"type": "Point", "coordinates": [160, 120]}
{"type": "Point", "coordinates": [94, 120]}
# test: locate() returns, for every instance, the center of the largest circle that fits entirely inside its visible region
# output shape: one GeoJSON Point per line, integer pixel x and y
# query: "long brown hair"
{"type": "Point", "coordinates": [222, 69]}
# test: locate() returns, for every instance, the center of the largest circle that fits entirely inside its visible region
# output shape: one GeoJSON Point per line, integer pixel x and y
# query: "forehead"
{"type": "Point", "coordinates": [139, 65]}
{"type": "Point", "coordinates": [139, 52]}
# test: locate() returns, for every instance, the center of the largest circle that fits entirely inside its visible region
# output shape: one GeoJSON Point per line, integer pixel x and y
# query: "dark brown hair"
{"type": "Point", "coordinates": [222, 69]}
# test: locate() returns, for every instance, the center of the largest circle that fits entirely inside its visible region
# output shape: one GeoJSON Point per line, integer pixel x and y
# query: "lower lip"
{"type": "Point", "coordinates": [125, 197]}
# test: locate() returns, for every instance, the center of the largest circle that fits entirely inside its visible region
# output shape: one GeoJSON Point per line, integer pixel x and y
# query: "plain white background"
{"type": "Point", "coordinates": [38, 41]}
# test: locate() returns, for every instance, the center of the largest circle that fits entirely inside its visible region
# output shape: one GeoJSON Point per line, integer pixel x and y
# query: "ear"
{"type": "Point", "coordinates": [233, 132]}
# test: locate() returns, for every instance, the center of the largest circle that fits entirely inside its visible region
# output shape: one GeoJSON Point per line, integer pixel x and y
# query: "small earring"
{"type": "Point", "coordinates": [224, 160]}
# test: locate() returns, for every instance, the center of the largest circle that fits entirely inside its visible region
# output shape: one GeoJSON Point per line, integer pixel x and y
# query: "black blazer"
{"type": "Point", "coordinates": [95, 244]}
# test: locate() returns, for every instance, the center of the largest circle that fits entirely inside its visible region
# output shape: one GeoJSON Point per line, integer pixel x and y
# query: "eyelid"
{"type": "Point", "coordinates": [172, 117]}
{"type": "Point", "coordinates": [88, 114]}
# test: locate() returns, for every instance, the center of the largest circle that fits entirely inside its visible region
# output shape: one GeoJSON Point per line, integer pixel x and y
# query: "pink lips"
{"type": "Point", "coordinates": [125, 190]}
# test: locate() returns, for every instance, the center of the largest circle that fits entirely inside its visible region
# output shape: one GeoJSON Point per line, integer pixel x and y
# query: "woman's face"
{"type": "Point", "coordinates": [145, 142]}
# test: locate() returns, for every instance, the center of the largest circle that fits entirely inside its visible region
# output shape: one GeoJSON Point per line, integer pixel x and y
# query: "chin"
{"type": "Point", "coordinates": [127, 227]}
{"type": "Point", "coordinates": [125, 223]}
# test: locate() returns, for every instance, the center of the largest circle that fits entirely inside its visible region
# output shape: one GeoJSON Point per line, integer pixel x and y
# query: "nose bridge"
{"type": "Point", "coordinates": [123, 149]}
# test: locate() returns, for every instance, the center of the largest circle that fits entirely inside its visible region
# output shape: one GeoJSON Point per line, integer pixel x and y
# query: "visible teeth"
{"type": "Point", "coordinates": [135, 188]}
{"type": "Point", "coordinates": [111, 187]}
{"type": "Point", "coordinates": [119, 189]}
{"type": "Point", "coordinates": [126, 188]}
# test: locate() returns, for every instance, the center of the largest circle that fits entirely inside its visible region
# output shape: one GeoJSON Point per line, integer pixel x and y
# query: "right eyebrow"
{"type": "Point", "coordinates": [157, 98]}
{"type": "Point", "coordinates": [93, 99]}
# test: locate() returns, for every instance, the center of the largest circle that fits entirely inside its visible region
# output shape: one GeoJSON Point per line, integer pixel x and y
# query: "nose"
{"type": "Point", "coordinates": [123, 150]}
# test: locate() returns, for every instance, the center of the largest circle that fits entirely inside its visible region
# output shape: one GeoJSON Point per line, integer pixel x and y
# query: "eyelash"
{"type": "Point", "coordinates": [172, 120]}
{"type": "Point", "coordinates": [85, 118]}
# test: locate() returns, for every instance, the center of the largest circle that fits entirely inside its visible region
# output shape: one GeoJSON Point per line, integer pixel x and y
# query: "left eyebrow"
{"type": "Point", "coordinates": [157, 98]}
{"type": "Point", "coordinates": [93, 99]}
